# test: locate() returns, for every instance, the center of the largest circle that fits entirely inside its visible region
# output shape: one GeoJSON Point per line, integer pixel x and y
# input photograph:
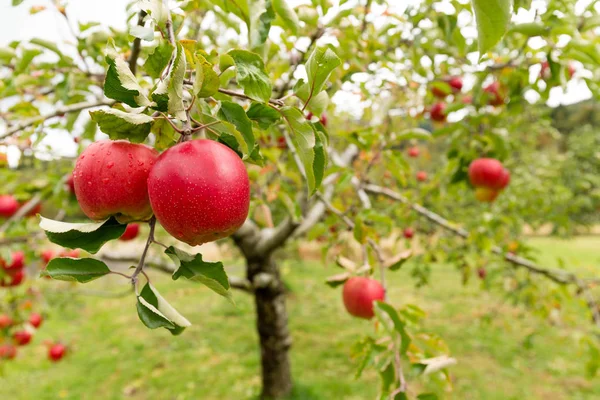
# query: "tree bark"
{"type": "Point", "coordinates": [272, 326]}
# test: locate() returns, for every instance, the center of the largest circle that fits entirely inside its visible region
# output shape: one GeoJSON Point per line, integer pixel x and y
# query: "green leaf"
{"type": "Point", "coordinates": [155, 312]}
{"type": "Point", "coordinates": [82, 270]}
{"type": "Point", "coordinates": [427, 396]}
{"type": "Point", "coordinates": [319, 67]}
{"type": "Point", "coordinates": [385, 308]}
{"type": "Point", "coordinates": [225, 62]}
{"type": "Point", "coordinates": [194, 268]}
{"type": "Point", "coordinates": [27, 57]}
{"type": "Point", "coordinates": [321, 158]}
{"type": "Point", "coordinates": [304, 139]}
{"type": "Point", "coordinates": [52, 47]}
{"type": "Point", "coordinates": [164, 133]}
{"type": "Point", "coordinates": [142, 32]}
{"type": "Point", "coordinates": [157, 11]}
{"type": "Point", "coordinates": [17, 2]}
{"type": "Point", "coordinates": [89, 237]}
{"type": "Point", "coordinates": [157, 61]}
{"type": "Point", "coordinates": [315, 104]}
{"type": "Point", "coordinates": [530, 29]}
{"type": "Point", "coordinates": [120, 84]}
{"type": "Point", "coordinates": [263, 115]}
{"type": "Point", "coordinates": [207, 81]}
{"type": "Point", "coordinates": [493, 17]}
{"type": "Point", "coordinates": [260, 22]}
{"type": "Point", "coordinates": [7, 53]}
{"type": "Point", "coordinates": [251, 75]}
{"type": "Point", "coordinates": [235, 114]}
{"type": "Point", "coordinates": [414, 133]}
{"type": "Point", "coordinates": [122, 125]}
{"type": "Point", "coordinates": [168, 94]}
{"type": "Point", "coordinates": [287, 14]}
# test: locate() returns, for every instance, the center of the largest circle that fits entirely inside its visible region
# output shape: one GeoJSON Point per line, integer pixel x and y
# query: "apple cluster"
{"type": "Point", "coordinates": [489, 177]}
{"type": "Point", "coordinates": [198, 190]}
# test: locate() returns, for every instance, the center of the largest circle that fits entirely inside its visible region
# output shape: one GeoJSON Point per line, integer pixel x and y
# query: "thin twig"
{"type": "Point", "coordinates": [140, 265]}
{"type": "Point", "coordinates": [137, 44]}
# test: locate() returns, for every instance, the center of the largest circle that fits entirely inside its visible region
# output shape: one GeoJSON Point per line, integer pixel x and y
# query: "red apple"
{"type": "Point", "coordinates": [359, 294]}
{"type": "Point", "coordinates": [309, 116]}
{"type": "Point", "coordinates": [47, 255]}
{"type": "Point", "coordinates": [22, 338]}
{"type": "Point", "coordinates": [493, 91]}
{"type": "Point", "coordinates": [485, 194]}
{"type": "Point", "coordinates": [482, 273]}
{"type": "Point", "coordinates": [421, 176]}
{"type": "Point", "coordinates": [8, 205]}
{"type": "Point", "coordinates": [456, 83]}
{"type": "Point", "coordinates": [36, 320]}
{"type": "Point", "coordinates": [413, 152]}
{"type": "Point", "coordinates": [8, 351]}
{"type": "Point", "coordinates": [468, 99]}
{"type": "Point", "coordinates": [18, 262]}
{"type": "Point", "coordinates": [545, 72]}
{"type": "Point", "coordinates": [281, 144]}
{"type": "Point", "coordinates": [13, 280]}
{"type": "Point", "coordinates": [323, 119]}
{"type": "Point", "coordinates": [56, 352]}
{"type": "Point", "coordinates": [408, 233]}
{"type": "Point", "coordinates": [437, 112]}
{"type": "Point", "coordinates": [131, 232]}
{"type": "Point", "coordinates": [5, 321]}
{"type": "Point", "coordinates": [438, 92]}
{"type": "Point", "coordinates": [199, 191]}
{"type": "Point", "coordinates": [571, 70]}
{"type": "Point", "coordinates": [110, 179]}
{"type": "Point", "coordinates": [69, 253]}
{"type": "Point", "coordinates": [488, 172]}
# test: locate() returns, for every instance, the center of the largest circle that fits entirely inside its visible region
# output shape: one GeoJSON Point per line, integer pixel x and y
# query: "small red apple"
{"type": "Point", "coordinates": [8, 352]}
{"type": "Point", "coordinates": [488, 172]}
{"type": "Point", "coordinates": [545, 72]}
{"type": "Point", "coordinates": [5, 321]}
{"type": "Point", "coordinates": [482, 273]}
{"type": "Point", "coordinates": [359, 294]}
{"type": "Point", "coordinates": [8, 205]}
{"type": "Point", "coordinates": [74, 253]}
{"type": "Point", "coordinates": [47, 255]}
{"type": "Point", "coordinates": [494, 94]}
{"type": "Point", "coordinates": [22, 338]}
{"type": "Point", "coordinates": [468, 99]}
{"type": "Point", "coordinates": [413, 152]}
{"type": "Point", "coordinates": [408, 233]}
{"type": "Point", "coordinates": [56, 352]}
{"type": "Point", "coordinates": [13, 280]}
{"type": "Point", "coordinates": [486, 195]}
{"type": "Point", "coordinates": [421, 176]}
{"type": "Point", "coordinates": [36, 320]}
{"type": "Point", "coordinates": [281, 143]}
{"type": "Point", "coordinates": [438, 92]}
{"type": "Point", "coordinates": [203, 203]}
{"type": "Point", "coordinates": [571, 70]}
{"type": "Point", "coordinates": [111, 180]}
{"type": "Point", "coordinates": [309, 116]}
{"type": "Point", "coordinates": [323, 119]}
{"type": "Point", "coordinates": [456, 83]}
{"type": "Point", "coordinates": [131, 232]}
{"type": "Point", "coordinates": [18, 262]}
{"type": "Point", "coordinates": [437, 112]}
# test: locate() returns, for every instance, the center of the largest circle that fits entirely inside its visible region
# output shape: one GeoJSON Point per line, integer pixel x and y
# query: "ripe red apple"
{"type": "Point", "coordinates": [359, 294]}
{"type": "Point", "coordinates": [110, 179]}
{"type": "Point", "coordinates": [571, 70]}
{"type": "Point", "coordinates": [494, 93]}
{"type": "Point", "coordinates": [13, 280]}
{"type": "Point", "coordinates": [5, 321]}
{"type": "Point", "coordinates": [199, 191]}
{"type": "Point", "coordinates": [22, 338]}
{"type": "Point", "coordinates": [8, 352]}
{"type": "Point", "coordinates": [309, 116]}
{"type": "Point", "coordinates": [323, 119]}
{"type": "Point", "coordinates": [47, 255]}
{"type": "Point", "coordinates": [456, 83]}
{"type": "Point", "coordinates": [438, 92]}
{"type": "Point", "coordinates": [488, 172]}
{"type": "Point", "coordinates": [281, 143]}
{"type": "Point", "coordinates": [18, 262]}
{"type": "Point", "coordinates": [485, 194]}
{"type": "Point", "coordinates": [74, 253]}
{"type": "Point", "coordinates": [36, 320]}
{"type": "Point", "coordinates": [545, 71]}
{"type": "Point", "coordinates": [408, 233]}
{"type": "Point", "coordinates": [482, 273]}
{"type": "Point", "coordinates": [437, 112]}
{"type": "Point", "coordinates": [56, 352]}
{"type": "Point", "coordinates": [70, 184]}
{"type": "Point", "coordinates": [421, 176]}
{"type": "Point", "coordinates": [8, 205]}
{"type": "Point", "coordinates": [131, 232]}
{"type": "Point", "coordinates": [413, 152]}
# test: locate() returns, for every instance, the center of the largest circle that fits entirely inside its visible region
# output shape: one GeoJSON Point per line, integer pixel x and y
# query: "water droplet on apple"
{"type": "Point", "coordinates": [110, 164]}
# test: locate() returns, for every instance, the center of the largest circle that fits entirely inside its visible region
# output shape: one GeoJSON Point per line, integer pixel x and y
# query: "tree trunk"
{"type": "Point", "coordinates": [272, 325]}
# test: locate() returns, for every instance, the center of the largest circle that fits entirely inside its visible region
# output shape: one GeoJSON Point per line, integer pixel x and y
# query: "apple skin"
{"type": "Point", "coordinates": [131, 232]}
{"type": "Point", "coordinates": [408, 233]}
{"type": "Point", "coordinates": [5, 321]}
{"type": "Point", "coordinates": [482, 273]}
{"type": "Point", "coordinates": [323, 120]}
{"type": "Point", "coordinates": [493, 91]}
{"type": "Point", "coordinates": [199, 191]}
{"type": "Point", "coordinates": [437, 112]}
{"type": "Point", "coordinates": [17, 264]}
{"type": "Point", "coordinates": [110, 178]}
{"type": "Point", "coordinates": [8, 352]}
{"type": "Point", "coordinates": [36, 320]}
{"type": "Point", "coordinates": [486, 195]}
{"type": "Point", "coordinates": [421, 176]}
{"type": "Point", "coordinates": [22, 338]}
{"type": "Point", "coordinates": [571, 70]}
{"type": "Point", "coordinates": [489, 173]}
{"type": "Point", "coordinates": [47, 255]}
{"type": "Point", "coordinates": [69, 253]}
{"type": "Point", "coordinates": [8, 205]}
{"type": "Point", "coordinates": [545, 72]}
{"type": "Point", "coordinates": [359, 294]}
{"type": "Point", "coordinates": [13, 280]}
{"type": "Point", "coordinates": [56, 352]}
{"type": "Point", "coordinates": [456, 83]}
{"type": "Point", "coordinates": [413, 152]}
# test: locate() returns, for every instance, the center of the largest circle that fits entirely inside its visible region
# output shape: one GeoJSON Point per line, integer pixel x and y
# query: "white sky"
{"type": "Point", "coordinates": [16, 23]}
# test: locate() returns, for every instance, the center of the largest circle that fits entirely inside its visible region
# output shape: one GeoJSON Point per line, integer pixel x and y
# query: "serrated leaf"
{"type": "Point", "coordinates": [120, 84]}
{"type": "Point", "coordinates": [168, 94]}
{"type": "Point", "coordinates": [194, 268]}
{"type": "Point", "coordinates": [89, 236]}
{"type": "Point", "coordinates": [235, 114]}
{"type": "Point", "coordinates": [164, 133]}
{"type": "Point", "coordinates": [251, 75]}
{"type": "Point", "coordinates": [207, 81]}
{"type": "Point", "coordinates": [81, 270]}
{"type": "Point", "coordinates": [287, 14]}
{"type": "Point", "coordinates": [155, 312]}
{"type": "Point", "coordinates": [157, 61]}
{"type": "Point", "coordinates": [263, 115]}
{"type": "Point", "coordinates": [142, 32]}
{"type": "Point", "coordinates": [319, 67]}
{"type": "Point", "coordinates": [122, 125]}
{"type": "Point", "coordinates": [492, 17]}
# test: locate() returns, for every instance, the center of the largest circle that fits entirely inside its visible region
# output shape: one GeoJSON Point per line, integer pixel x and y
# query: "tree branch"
{"type": "Point", "coordinates": [272, 238]}
{"type": "Point", "coordinates": [137, 45]}
{"type": "Point", "coordinates": [58, 112]}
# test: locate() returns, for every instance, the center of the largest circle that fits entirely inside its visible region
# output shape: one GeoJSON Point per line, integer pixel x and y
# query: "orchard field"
{"type": "Point", "coordinates": [300, 199]}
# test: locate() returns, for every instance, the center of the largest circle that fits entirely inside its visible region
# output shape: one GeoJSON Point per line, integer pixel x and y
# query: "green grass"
{"type": "Point", "coordinates": [113, 356]}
